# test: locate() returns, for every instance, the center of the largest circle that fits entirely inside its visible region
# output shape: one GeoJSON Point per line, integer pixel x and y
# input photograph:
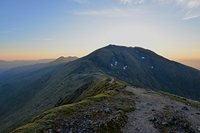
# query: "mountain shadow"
{"type": "Point", "coordinates": [24, 96]}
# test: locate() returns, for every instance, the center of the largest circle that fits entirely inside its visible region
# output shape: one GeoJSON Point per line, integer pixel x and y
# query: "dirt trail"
{"type": "Point", "coordinates": [111, 81]}
{"type": "Point", "coordinates": [148, 103]}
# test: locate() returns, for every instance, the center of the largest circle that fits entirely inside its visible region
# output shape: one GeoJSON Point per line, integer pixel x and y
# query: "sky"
{"type": "Point", "coordinates": [43, 29]}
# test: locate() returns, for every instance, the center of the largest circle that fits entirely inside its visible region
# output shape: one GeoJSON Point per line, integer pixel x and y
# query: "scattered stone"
{"type": "Point", "coordinates": [131, 107]}
{"type": "Point", "coordinates": [50, 130]}
{"type": "Point", "coordinates": [149, 103]}
{"type": "Point", "coordinates": [185, 108]}
{"type": "Point", "coordinates": [72, 123]}
{"type": "Point", "coordinates": [67, 124]}
{"type": "Point", "coordinates": [107, 110]}
{"type": "Point", "coordinates": [185, 126]}
{"type": "Point", "coordinates": [198, 128]}
{"type": "Point", "coordinates": [153, 119]}
{"type": "Point", "coordinates": [164, 123]}
{"type": "Point", "coordinates": [119, 111]}
{"type": "Point", "coordinates": [92, 108]}
{"type": "Point", "coordinates": [59, 130]}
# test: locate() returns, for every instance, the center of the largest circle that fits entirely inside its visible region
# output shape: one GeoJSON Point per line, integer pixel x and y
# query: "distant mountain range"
{"type": "Point", "coordinates": [29, 93]}
{"type": "Point", "coordinates": [17, 63]}
{"type": "Point", "coordinates": [60, 60]}
{"type": "Point", "coordinates": [10, 72]}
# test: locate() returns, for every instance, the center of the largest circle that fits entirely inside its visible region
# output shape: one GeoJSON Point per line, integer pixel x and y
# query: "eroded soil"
{"type": "Point", "coordinates": [148, 104]}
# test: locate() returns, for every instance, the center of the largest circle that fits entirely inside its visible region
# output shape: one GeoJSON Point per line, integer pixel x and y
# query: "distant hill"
{"type": "Point", "coordinates": [17, 63]}
{"type": "Point", "coordinates": [60, 60]}
{"type": "Point", "coordinates": [25, 95]}
{"type": "Point", "coordinates": [7, 73]}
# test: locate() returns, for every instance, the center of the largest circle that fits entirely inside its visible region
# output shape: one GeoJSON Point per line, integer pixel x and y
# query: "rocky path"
{"type": "Point", "coordinates": [148, 103]}
{"type": "Point", "coordinates": [111, 81]}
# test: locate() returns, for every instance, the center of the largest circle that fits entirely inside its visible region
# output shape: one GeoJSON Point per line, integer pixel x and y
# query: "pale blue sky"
{"type": "Point", "coordinates": [36, 29]}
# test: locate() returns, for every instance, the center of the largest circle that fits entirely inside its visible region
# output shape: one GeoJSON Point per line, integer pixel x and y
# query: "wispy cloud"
{"type": "Point", "coordinates": [81, 1]}
{"type": "Point", "coordinates": [189, 3]}
{"type": "Point", "coordinates": [130, 2]}
{"type": "Point", "coordinates": [115, 12]}
{"type": "Point", "coordinates": [192, 14]}
{"type": "Point", "coordinates": [191, 7]}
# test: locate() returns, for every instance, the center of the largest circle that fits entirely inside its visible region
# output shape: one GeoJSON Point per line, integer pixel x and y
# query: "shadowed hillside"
{"type": "Point", "coordinates": [144, 68]}
{"type": "Point", "coordinates": [108, 106]}
{"type": "Point", "coordinates": [102, 110]}
{"type": "Point", "coordinates": [42, 89]}
{"type": "Point", "coordinates": [17, 63]}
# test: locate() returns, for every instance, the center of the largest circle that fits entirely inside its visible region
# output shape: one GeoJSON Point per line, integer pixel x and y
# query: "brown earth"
{"type": "Point", "coordinates": [149, 103]}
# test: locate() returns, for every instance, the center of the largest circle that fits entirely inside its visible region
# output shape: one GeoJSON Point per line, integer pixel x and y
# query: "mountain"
{"type": "Point", "coordinates": [17, 63]}
{"type": "Point", "coordinates": [60, 60]}
{"type": "Point", "coordinates": [6, 74]}
{"type": "Point", "coordinates": [144, 68]}
{"type": "Point", "coordinates": [24, 96]}
{"type": "Point", "coordinates": [109, 105]}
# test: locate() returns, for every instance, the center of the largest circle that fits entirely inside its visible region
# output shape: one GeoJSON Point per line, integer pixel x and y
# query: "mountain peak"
{"type": "Point", "coordinates": [61, 60]}
{"type": "Point", "coordinates": [61, 57]}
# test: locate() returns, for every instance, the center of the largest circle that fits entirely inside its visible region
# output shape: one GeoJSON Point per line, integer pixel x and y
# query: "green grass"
{"type": "Point", "coordinates": [181, 99]}
{"type": "Point", "coordinates": [108, 93]}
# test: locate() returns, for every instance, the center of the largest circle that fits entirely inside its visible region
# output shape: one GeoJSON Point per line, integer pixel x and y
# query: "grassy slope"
{"type": "Point", "coordinates": [42, 90]}
{"type": "Point", "coordinates": [93, 96]}
{"type": "Point", "coordinates": [166, 75]}
{"type": "Point", "coordinates": [100, 92]}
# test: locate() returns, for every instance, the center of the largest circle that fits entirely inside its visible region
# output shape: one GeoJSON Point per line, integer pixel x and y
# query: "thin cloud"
{"type": "Point", "coordinates": [131, 2]}
{"type": "Point", "coordinates": [115, 12]}
{"type": "Point", "coordinates": [189, 3]}
{"type": "Point", "coordinates": [192, 14]}
{"type": "Point", "coordinates": [191, 7]}
{"type": "Point", "coordinates": [81, 1]}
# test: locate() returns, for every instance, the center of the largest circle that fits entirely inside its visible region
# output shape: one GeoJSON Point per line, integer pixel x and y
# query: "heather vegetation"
{"type": "Point", "coordinates": [27, 94]}
{"type": "Point", "coordinates": [100, 111]}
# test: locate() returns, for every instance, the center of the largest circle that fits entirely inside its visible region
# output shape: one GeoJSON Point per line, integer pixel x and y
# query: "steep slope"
{"type": "Point", "coordinates": [18, 71]}
{"type": "Point", "coordinates": [27, 95]}
{"type": "Point", "coordinates": [100, 111]}
{"type": "Point", "coordinates": [144, 68]}
{"type": "Point", "coordinates": [104, 107]}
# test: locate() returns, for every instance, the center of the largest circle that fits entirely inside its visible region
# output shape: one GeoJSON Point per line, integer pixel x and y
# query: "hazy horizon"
{"type": "Point", "coordinates": [32, 30]}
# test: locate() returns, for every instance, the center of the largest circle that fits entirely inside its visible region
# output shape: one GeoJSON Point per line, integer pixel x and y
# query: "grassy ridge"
{"type": "Point", "coordinates": [104, 98]}
{"type": "Point", "coordinates": [181, 99]}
